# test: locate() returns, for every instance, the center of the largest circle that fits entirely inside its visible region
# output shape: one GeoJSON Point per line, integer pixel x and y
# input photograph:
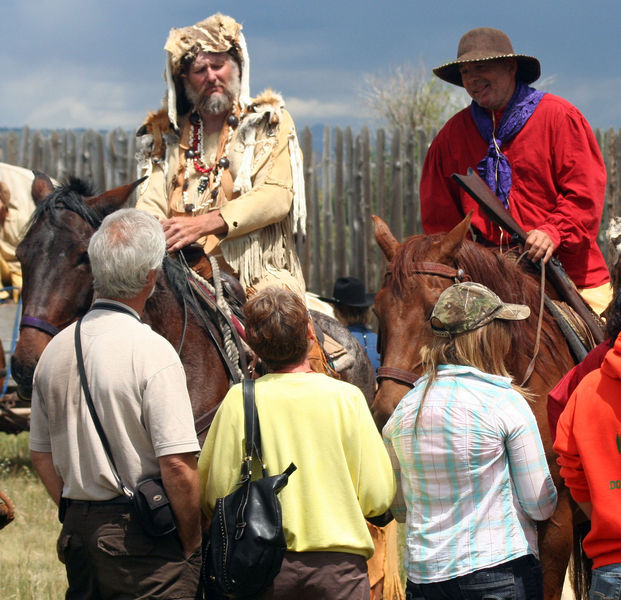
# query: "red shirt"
{"type": "Point", "coordinates": [559, 183]}
{"type": "Point", "coordinates": [558, 397]}
{"type": "Point", "coordinates": [588, 443]}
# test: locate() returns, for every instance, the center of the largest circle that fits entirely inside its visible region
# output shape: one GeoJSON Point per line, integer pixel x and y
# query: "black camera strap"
{"type": "Point", "coordinates": [87, 394]}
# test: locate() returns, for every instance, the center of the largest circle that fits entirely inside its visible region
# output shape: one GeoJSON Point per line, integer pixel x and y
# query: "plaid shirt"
{"type": "Point", "coordinates": [473, 478]}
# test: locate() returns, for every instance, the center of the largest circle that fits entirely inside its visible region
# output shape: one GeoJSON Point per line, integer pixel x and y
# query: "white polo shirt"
{"type": "Point", "coordinates": [139, 392]}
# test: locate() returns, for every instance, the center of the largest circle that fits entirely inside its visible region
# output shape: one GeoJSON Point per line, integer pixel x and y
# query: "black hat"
{"type": "Point", "coordinates": [350, 291]}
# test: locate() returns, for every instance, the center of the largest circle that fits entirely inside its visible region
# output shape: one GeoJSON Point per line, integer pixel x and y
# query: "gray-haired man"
{"type": "Point", "coordinates": [138, 388]}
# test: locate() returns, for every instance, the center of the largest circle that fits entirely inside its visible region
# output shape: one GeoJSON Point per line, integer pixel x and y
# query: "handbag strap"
{"type": "Point", "coordinates": [89, 400]}
{"type": "Point", "coordinates": [252, 431]}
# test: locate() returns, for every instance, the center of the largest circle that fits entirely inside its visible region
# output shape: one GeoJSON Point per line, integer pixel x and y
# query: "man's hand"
{"type": "Point", "coordinates": [183, 231]}
{"type": "Point", "coordinates": [539, 246]}
{"type": "Point", "coordinates": [44, 466]}
{"type": "Point", "coordinates": [180, 479]}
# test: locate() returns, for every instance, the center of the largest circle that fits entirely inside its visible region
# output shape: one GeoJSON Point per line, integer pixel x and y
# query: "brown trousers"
{"type": "Point", "coordinates": [108, 556]}
{"type": "Point", "coordinates": [315, 575]}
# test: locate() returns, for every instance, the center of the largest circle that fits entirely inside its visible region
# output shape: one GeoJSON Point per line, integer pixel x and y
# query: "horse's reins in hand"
{"type": "Point", "coordinates": [542, 287]}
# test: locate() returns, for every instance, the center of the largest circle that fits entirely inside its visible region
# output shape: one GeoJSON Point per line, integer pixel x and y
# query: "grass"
{"type": "Point", "coordinates": [29, 566]}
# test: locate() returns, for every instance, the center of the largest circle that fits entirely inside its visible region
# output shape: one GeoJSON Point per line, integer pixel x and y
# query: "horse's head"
{"type": "Point", "coordinates": [57, 280]}
{"type": "Point", "coordinates": [404, 304]}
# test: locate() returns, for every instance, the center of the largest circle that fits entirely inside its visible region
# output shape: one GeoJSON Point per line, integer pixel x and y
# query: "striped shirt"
{"type": "Point", "coordinates": [473, 479]}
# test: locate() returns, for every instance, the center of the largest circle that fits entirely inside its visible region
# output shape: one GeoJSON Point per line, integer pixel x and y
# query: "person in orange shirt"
{"type": "Point", "coordinates": [588, 443]}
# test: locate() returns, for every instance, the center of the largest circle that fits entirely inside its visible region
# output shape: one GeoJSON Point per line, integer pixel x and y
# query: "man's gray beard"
{"type": "Point", "coordinates": [214, 104]}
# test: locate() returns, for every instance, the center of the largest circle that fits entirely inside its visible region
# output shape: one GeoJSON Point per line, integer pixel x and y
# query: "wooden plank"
{"type": "Point", "coordinates": [70, 161]}
{"type": "Point", "coordinates": [303, 245]}
{"type": "Point", "coordinates": [24, 147]}
{"type": "Point", "coordinates": [98, 163]}
{"type": "Point", "coordinates": [380, 171]}
{"type": "Point", "coordinates": [408, 183]}
{"type": "Point", "coordinates": [616, 203]}
{"type": "Point", "coordinates": [35, 158]}
{"type": "Point", "coordinates": [350, 184]}
{"type": "Point", "coordinates": [11, 148]}
{"type": "Point", "coordinates": [340, 223]}
{"type": "Point", "coordinates": [54, 154]}
{"type": "Point", "coordinates": [316, 239]}
{"type": "Point", "coordinates": [356, 231]}
{"type": "Point", "coordinates": [396, 209]}
{"type": "Point", "coordinates": [327, 213]}
{"type": "Point", "coordinates": [421, 147]}
{"type": "Point", "coordinates": [366, 234]}
{"type": "Point", "coordinates": [132, 165]}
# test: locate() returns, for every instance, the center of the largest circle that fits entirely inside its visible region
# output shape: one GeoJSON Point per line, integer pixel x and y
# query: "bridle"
{"type": "Point", "coordinates": [90, 217]}
{"type": "Point", "coordinates": [39, 324]}
{"type": "Point", "coordinates": [403, 376]}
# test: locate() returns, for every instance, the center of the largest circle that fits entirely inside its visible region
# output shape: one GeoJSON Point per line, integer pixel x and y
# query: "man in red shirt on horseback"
{"type": "Point", "coordinates": [535, 150]}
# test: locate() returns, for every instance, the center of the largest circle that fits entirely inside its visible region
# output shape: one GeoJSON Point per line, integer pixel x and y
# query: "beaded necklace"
{"type": "Point", "coordinates": [209, 175]}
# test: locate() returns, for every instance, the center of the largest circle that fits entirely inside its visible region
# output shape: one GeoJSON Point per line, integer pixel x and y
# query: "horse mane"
{"type": "Point", "coordinates": [177, 279]}
{"type": "Point", "coordinates": [70, 196]}
{"type": "Point", "coordinates": [502, 273]}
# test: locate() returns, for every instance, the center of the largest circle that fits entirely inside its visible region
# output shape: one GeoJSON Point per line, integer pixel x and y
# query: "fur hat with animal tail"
{"type": "Point", "coordinates": [218, 33]}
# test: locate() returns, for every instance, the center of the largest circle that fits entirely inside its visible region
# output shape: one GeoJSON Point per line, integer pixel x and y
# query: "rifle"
{"type": "Point", "coordinates": [555, 274]}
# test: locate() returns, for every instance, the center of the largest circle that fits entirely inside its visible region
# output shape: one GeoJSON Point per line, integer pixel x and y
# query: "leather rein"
{"type": "Point", "coordinates": [402, 376]}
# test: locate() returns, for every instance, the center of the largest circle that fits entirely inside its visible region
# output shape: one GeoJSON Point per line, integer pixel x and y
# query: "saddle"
{"type": "Point", "coordinates": [328, 356]}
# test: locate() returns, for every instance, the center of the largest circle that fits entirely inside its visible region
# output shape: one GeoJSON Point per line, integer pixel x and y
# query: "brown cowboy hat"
{"type": "Point", "coordinates": [485, 43]}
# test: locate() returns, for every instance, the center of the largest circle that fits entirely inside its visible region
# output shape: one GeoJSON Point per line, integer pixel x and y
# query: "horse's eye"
{"type": "Point", "coordinates": [83, 259]}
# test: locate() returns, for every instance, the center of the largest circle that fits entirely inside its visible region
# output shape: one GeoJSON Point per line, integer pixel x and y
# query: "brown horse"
{"type": "Point", "coordinates": [57, 289]}
{"type": "Point", "coordinates": [419, 270]}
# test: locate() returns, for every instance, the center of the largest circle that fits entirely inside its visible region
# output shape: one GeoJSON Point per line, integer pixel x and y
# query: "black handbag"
{"type": "Point", "coordinates": [148, 497]}
{"type": "Point", "coordinates": [245, 545]}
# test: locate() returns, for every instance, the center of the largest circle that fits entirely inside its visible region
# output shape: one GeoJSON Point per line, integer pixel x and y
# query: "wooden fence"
{"type": "Point", "coordinates": [350, 178]}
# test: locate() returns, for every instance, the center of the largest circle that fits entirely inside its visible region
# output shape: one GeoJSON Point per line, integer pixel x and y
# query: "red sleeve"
{"type": "Point", "coordinates": [559, 395]}
{"type": "Point", "coordinates": [440, 204]}
{"type": "Point", "coordinates": [568, 456]}
{"type": "Point", "coordinates": [580, 176]}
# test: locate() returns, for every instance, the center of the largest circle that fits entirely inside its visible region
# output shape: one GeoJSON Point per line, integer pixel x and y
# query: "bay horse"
{"type": "Point", "coordinates": [57, 290]}
{"type": "Point", "coordinates": [418, 270]}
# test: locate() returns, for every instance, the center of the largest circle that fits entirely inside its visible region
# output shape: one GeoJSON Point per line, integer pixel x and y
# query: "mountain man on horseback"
{"type": "Point", "coordinates": [223, 169]}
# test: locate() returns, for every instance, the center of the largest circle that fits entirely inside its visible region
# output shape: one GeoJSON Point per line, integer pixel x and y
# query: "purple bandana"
{"type": "Point", "coordinates": [494, 168]}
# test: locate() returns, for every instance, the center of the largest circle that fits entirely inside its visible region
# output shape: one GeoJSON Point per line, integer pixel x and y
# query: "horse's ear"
{"type": "Point", "coordinates": [384, 237]}
{"type": "Point", "coordinates": [41, 187]}
{"type": "Point", "coordinates": [453, 240]}
{"type": "Point", "coordinates": [113, 199]}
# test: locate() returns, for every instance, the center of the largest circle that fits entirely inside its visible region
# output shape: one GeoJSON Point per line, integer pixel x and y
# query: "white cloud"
{"type": "Point", "coordinates": [314, 108]}
{"type": "Point", "coordinates": [65, 96]}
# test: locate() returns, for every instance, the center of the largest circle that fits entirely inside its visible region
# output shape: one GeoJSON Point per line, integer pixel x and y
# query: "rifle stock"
{"type": "Point", "coordinates": [555, 274]}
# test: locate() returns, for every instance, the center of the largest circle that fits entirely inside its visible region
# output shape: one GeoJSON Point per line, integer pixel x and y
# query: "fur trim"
{"type": "Point", "coordinates": [5, 194]}
{"type": "Point", "coordinates": [157, 125]}
{"type": "Point", "coordinates": [268, 102]}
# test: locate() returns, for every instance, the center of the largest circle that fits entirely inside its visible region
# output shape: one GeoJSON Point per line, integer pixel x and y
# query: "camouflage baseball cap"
{"type": "Point", "coordinates": [467, 306]}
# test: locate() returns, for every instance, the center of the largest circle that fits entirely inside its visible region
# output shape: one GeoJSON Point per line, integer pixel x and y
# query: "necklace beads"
{"type": "Point", "coordinates": [194, 158]}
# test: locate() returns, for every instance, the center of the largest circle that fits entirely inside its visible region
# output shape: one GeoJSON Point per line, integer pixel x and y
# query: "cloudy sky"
{"type": "Point", "coordinates": [99, 63]}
